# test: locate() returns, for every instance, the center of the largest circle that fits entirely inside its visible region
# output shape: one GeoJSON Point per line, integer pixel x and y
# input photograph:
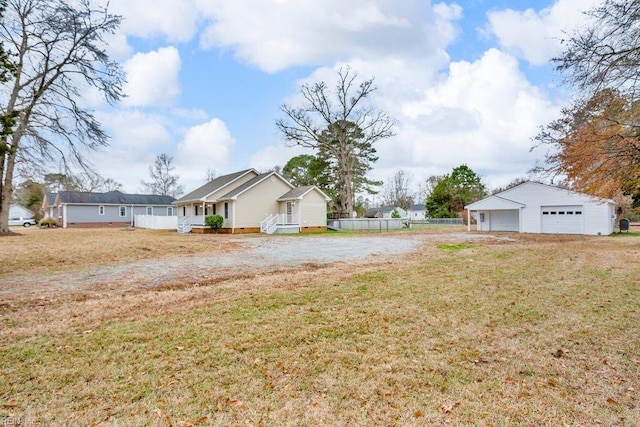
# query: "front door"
{"type": "Point", "coordinates": [289, 219]}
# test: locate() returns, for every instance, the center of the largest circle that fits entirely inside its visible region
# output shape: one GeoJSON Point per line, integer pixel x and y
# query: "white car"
{"type": "Point", "coordinates": [25, 222]}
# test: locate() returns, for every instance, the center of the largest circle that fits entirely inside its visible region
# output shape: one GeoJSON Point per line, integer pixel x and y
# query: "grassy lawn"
{"type": "Point", "coordinates": [53, 250]}
{"type": "Point", "coordinates": [541, 331]}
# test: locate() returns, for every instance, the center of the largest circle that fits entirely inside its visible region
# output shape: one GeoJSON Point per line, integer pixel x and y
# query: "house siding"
{"type": "Point", "coordinates": [224, 190]}
{"type": "Point", "coordinates": [88, 214]}
{"type": "Point", "coordinates": [314, 210]}
{"type": "Point", "coordinates": [253, 205]}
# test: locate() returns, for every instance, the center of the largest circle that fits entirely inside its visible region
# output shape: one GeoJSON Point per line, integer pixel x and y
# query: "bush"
{"type": "Point", "coordinates": [214, 221]}
{"type": "Point", "coordinates": [48, 222]}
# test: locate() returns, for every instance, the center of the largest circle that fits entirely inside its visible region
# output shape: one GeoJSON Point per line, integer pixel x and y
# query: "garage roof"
{"type": "Point", "coordinates": [494, 203]}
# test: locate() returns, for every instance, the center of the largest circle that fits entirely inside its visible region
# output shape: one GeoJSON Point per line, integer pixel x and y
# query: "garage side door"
{"type": "Point", "coordinates": [504, 221]}
{"type": "Point", "coordinates": [562, 219]}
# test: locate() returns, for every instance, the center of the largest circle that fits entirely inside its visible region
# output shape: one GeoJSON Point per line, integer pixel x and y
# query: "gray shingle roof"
{"type": "Point", "coordinates": [296, 192]}
{"type": "Point", "coordinates": [114, 198]}
{"type": "Point", "coordinates": [212, 186]}
{"type": "Point", "coordinates": [50, 198]}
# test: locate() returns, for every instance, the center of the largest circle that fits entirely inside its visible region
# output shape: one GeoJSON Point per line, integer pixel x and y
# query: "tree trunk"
{"type": "Point", "coordinates": [7, 191]}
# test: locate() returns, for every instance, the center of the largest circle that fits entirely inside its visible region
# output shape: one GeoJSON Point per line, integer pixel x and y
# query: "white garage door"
{"type": "Point", "coordinates": [504, 221]}
{"type": "Point", "coordinates": [562, 219]}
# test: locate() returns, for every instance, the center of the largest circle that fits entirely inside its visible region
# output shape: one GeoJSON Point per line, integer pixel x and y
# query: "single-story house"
{"type": "Point", "coordinates": [384, 212]}
{"type": "Point", "coordinates": [251, 202]}
{"type": "Point", "coordinates": [114, 208]}
{"type": "Point", "coordinates": [417, 212]}
{"type": "Point", "coordinates": [532, 207]}
{"type": "Point", "coordinates": [19, 211]}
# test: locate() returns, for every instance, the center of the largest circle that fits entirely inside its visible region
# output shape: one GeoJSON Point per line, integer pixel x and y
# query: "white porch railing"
{"type": "Point", "coordinates": [268, 225]}
{"type": "Point", "coordinates": [186, 223]}
{"type": "Point", "coordinates": [271, 223]}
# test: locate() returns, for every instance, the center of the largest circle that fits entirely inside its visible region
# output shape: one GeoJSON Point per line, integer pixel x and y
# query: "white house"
{"type": "Point", "coordinates": [385, 212]}
{"type": "Point", "coordinates": [251, 202]}
{"type": "Point", "coordinates": [533, 207]}
{"type": "Point", "coordinates": [417, 212]}
{"type": "Point", "coordinates": [19, 211]}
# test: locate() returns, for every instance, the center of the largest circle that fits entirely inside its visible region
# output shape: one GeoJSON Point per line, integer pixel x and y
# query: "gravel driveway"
{"type": "Point", "coordinates": [258, 255]}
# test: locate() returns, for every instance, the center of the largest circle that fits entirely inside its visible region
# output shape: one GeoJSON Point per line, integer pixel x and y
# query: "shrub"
{"type": "Point", "coordinates": [214, 221]}
{"type": "Point", "coordinates": [48, 222]}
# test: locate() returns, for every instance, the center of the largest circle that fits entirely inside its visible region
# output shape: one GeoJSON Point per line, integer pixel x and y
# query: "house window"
{"type": "Point", "coordinates": [170, 211]}
{"type": "Point", "coordinates": [123, 211]}
{"type": "Point", "coordinates": [149, 210]}
{"type": "Point", "coordinates": [184, 211]}
{"type": "Point", "coordinates": [226, 210]}
{"type": "Point", "coordinates": [214, 209]}
{"type": "Point", "coordinates": [196, 210]}
{"type": "Point", "coordinates": [100, 210]}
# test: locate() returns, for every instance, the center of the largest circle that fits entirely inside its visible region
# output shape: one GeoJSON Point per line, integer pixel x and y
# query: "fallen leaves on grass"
{"type": "Point", "coordinates": [448, 407]}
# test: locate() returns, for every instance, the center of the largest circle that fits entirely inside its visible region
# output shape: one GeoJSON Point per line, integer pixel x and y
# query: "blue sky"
{"type": "Point", "coordinates": [467, 82]}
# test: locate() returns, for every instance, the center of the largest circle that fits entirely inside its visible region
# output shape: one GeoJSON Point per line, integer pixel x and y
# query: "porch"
{"type": "Point", "coordinates": [275, 223]}
{"type": "Point", "coordinates": [280, 224]}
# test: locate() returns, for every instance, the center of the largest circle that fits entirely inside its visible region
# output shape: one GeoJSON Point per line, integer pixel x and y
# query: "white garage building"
{"type": "Point", "coordinates": [532, 207]}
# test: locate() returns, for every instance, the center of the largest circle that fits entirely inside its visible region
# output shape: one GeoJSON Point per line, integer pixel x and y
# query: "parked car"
{"type": "Point", "coordinates": [25, 222]}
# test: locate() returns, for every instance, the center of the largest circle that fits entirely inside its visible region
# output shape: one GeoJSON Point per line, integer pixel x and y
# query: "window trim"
{"type": "Point", "coordinates": [101, 210]}
{"type": "Point", "coordinates": [147, 209]}
{"type": "Point", "coordinates": [122, 211]}
{"type": "Point", "coordinates": [169, 210]}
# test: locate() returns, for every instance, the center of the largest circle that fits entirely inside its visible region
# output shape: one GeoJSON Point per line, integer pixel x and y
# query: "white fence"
{"type": "Point", "coordinates": [156, 222]}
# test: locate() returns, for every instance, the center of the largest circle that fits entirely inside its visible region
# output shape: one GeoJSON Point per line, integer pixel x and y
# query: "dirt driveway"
{"type": "Point", "coordinates": [256, 254]}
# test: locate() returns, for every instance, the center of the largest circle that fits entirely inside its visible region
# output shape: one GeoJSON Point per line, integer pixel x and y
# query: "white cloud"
{"type": "Point", "coordinates": [276, 34]}
{"type": "Point", "coordinates": [134, 130]}
{"type": "Point", "coordinates": [536, 35]}
{"type": "Point", "coordinates": [483, 114]}
{"type": "Point", "coordinates": [205, 146]}
{"type": "Point", "coordinates": [152, 78]}
{"type": "Point", "coordinates": [176, 21]}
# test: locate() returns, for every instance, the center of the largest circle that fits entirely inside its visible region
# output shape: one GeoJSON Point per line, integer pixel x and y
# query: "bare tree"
{"type": "Point", "coordinates": [342, 128]}
{"type": "Point", "coordinates": [606, 52]}
{"type": "Point", "coordinates": [397, 190]}
{"type": "Point", "coordinates": [162, 181]}
{"type": "Point", "coordinates": [211, 175]}
{"type": "Point", "coordinates": [59, 48]}
{"type": "Point", "coordinates": [92, 182]}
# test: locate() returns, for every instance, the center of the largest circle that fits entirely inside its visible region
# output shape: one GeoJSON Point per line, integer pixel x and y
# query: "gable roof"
{"type": "Point", "coordinates": [494, 203]}
{"type": "Point", "coordinates": [214, 185]}
{"type": "Point", "coordinates": [50, 198]}
{"type": "Point", "coordinates": [418, 207]}
{"type": "Point", "coordinates": [521, 194]}
{"type": "Point", "coordinates": [112, 198]}
{"type": "Point", "coordinates": [233, 194]}
{"type": "Point", "coordinates": [299, 192]}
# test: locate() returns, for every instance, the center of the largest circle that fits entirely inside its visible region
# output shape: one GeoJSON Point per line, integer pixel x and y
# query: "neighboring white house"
{"type": "Point", "coordinates": [19, 211]}
{"type": "Point", "coordinates": [417, 212]}
{"type": "Point", "coordinates": [533, 207]}
{"type": "Point", "coordinates": [385, 212]}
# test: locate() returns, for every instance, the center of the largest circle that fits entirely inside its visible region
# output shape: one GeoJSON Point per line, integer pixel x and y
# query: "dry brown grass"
{"type": "Point", "coordinates": [48, 250]}
{"type": "Point", "coordinates": [542, 331]}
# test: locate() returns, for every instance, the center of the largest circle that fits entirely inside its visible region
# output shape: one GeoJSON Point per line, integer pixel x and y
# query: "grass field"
{"type": "Point", "coordinates": [537, 331]}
